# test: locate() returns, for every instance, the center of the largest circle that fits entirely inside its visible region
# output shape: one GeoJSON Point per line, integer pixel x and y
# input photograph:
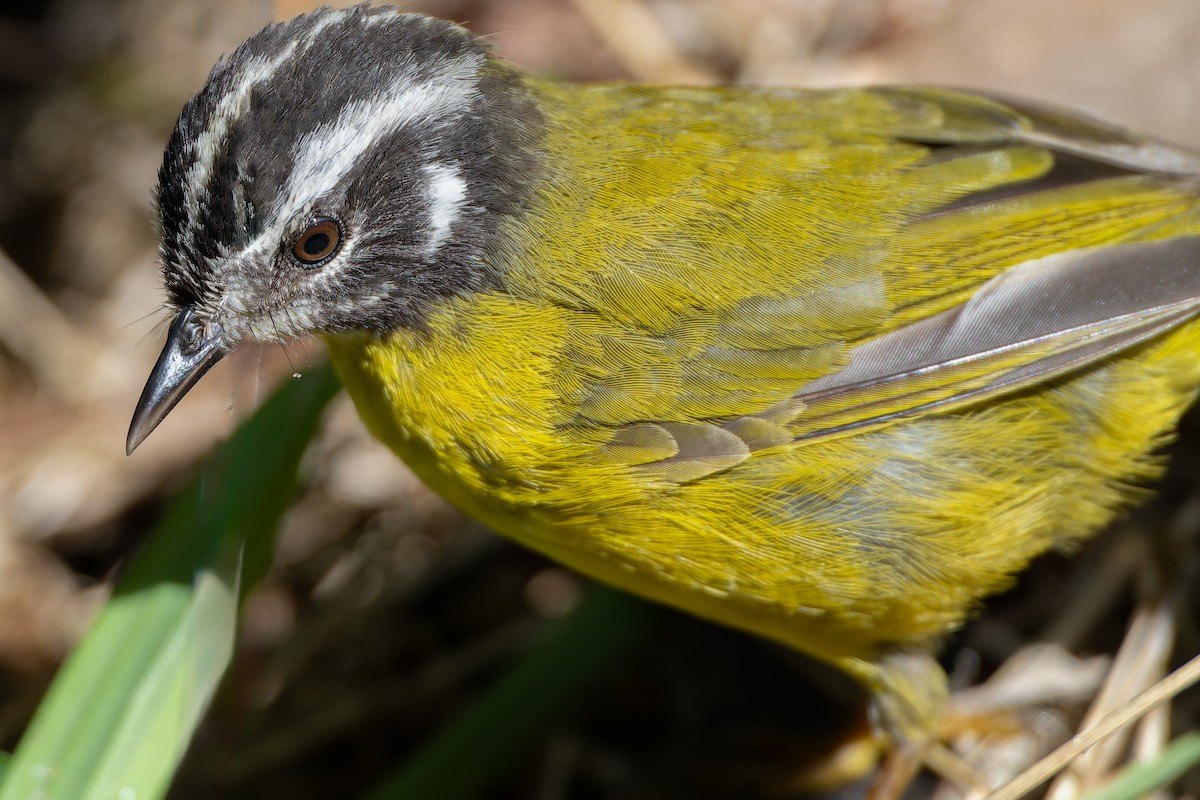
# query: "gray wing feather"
{"type": "Point", "coordinates": [1061, 312]}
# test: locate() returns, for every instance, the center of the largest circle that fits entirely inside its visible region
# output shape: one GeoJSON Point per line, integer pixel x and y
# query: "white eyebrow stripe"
{"type": "Point", "coordinates": [447, 195]}
{"type": "Point", "coordinates": [229, 108]}
{"type": "Point", "coordinates": [327, 153]}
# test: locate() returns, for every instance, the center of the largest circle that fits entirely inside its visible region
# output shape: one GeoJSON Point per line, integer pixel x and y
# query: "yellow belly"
{"type": "Point", "coordinates": [839, 548]}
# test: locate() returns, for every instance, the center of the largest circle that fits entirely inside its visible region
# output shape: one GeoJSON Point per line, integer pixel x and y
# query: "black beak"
{"type": "Point", "coordinates": [185, 358]}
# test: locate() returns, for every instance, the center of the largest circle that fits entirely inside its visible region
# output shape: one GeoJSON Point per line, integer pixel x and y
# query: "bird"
{"type": "Point", "coordinates": [828, 366]}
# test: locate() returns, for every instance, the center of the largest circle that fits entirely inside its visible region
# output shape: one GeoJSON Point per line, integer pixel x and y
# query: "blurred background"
{"type": "Point", "coordinates": [385, 610]}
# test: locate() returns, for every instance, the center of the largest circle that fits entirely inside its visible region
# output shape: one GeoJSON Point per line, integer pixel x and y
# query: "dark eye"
{"type": "Point", "coordinates": [319, 241]}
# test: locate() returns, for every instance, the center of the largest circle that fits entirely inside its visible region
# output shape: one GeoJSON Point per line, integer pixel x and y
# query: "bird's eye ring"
{"type": "Point", "coordinates": [318, 242]}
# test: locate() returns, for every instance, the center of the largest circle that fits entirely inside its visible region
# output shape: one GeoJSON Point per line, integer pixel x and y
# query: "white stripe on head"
{"type": "Point", "coordinates": [331, 150]}
{"type": "Point", "coordinates": [328, 152]}
{"type": "Point", "coordinates": [230, 107]}
{"type": "Point", "coordinates": [447, 195]}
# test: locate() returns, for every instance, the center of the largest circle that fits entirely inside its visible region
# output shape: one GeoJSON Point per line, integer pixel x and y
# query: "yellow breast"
{"type": "Point", "coordinates": [661, 275]}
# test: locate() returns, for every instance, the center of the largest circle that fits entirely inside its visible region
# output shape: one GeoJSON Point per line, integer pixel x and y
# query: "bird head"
{"type": "Point", "coordinates": [340, 171]}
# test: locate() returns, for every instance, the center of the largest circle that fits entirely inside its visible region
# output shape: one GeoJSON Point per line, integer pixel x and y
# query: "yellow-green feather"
{"type": "Point", "coordinates": [703, 272]}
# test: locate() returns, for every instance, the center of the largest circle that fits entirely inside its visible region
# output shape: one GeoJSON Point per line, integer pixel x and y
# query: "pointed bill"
{"type": "Point", "coordinates": [185, 358]}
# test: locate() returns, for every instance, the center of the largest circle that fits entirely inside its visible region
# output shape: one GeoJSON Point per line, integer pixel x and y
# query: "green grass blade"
{"type": "Point", "coordinates": [1141, 778]}
{"type": "Point", "coordinates": [122, 710]}
{"type": "Point", "coordinates": [481, 744]}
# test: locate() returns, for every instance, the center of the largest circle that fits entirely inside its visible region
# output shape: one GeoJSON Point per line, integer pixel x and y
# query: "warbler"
{"type": "Point", "coordinates": [827, 366]}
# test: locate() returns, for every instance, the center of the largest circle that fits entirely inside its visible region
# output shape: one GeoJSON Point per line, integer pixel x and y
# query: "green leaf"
{"type": "Point", "coordinates": [1141, 778]}
{"type": "Point", "coordinates": [481, 744]}
{"type": "Point", "coordinates": [122, 710]}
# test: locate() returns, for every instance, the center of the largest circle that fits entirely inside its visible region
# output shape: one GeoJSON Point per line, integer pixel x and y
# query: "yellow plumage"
{"type": "Point", "coordinates": [828, 366]}
{"type": "Point", "coordinates": [689, 260]}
